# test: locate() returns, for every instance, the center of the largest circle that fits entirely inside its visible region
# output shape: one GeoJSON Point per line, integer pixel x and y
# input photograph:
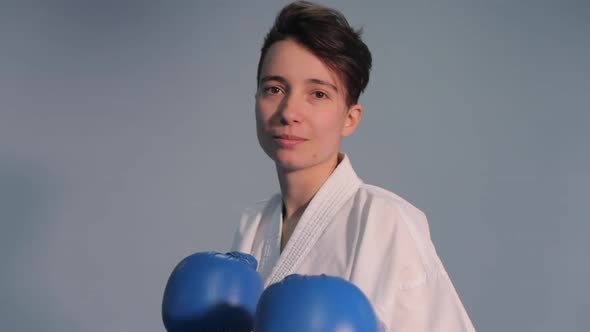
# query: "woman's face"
{"type": "Point", "coordinates": [301, 111]}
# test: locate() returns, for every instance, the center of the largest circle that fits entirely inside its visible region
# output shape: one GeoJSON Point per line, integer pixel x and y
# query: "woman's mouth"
{"type": "Point", "coordinates": [288, 141]}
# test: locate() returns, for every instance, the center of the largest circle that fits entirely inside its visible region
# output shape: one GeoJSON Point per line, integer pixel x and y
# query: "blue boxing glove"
{"type": "Point", "coordinates": [314, 304]}
{"type": "Point", "coordinates": [210, 292]}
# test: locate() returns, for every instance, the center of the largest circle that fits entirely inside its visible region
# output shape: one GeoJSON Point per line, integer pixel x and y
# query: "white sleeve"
{"type": "Point", "coordinates": [399, 269]}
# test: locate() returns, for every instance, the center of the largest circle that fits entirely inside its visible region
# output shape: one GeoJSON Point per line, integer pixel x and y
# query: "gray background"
{"type": "Point", "coordinates": [127, 142]}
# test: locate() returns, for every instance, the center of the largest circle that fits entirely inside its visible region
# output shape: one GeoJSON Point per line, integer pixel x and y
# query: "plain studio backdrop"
{"type": "Point", "coordinates": [127, 142]}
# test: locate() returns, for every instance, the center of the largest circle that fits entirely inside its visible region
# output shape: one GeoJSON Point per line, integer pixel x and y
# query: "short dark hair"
{"type": "Point", "coordinates": [325, 32]}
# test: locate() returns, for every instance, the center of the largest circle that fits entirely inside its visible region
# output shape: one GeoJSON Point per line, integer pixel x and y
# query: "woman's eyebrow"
{"type": "Point", "coordinates": [277, 78]}
{"type": "Point", "coordinates": [282, 80]}
{"type": "Point", "coordinates": [322, 82]}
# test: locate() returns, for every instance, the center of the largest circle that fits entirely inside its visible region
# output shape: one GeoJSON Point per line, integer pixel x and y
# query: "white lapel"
{"type": "Point", "coordinates": [334, 193]}
{"type": "Point", "coordinates": [271, 233]}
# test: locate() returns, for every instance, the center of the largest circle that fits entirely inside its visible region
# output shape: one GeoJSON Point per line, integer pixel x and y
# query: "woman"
{"type": "Point", "coordinates": [312, 69]}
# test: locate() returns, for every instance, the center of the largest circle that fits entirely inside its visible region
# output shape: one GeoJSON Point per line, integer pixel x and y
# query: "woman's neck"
{"type": "Point", "coordinates": [299, 187]}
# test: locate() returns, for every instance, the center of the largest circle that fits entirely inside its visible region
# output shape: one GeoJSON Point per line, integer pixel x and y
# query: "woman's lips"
{"type": "Point", "coordinates": [288, 141]}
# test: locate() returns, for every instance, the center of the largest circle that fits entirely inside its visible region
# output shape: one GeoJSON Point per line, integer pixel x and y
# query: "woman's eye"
{"type": "Point", "coordinates": [273, 90]}
{"type": "Point", "coordinates": [319, 94]}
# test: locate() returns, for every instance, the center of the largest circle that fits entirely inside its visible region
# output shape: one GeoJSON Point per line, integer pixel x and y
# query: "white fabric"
{"type": "Point", "coordinates": [364, 234]}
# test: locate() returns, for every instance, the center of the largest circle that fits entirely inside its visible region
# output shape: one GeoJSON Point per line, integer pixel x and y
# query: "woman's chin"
{"type": "Point", "coordinates": [288, 165]}
{"type": "Point", "coordinates": [289, 162]}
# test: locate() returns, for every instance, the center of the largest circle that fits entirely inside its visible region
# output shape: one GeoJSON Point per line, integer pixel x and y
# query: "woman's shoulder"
{"type": "Point", "coordinates": [255, 211]}
{"type": "Point", "coordinates": [388, 216]}
{"type": "Point", "coordinates": [372, 196]}
{"type": "Point", "coordinates": [250, 220]}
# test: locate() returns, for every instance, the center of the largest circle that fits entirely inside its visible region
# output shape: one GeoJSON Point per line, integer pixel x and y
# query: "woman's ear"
{"type": "Point", "coordinates": [352, 120]}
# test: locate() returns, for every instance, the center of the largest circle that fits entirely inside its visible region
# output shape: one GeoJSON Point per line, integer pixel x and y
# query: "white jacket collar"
{"type": "Point", "coordinates": [334, 193]}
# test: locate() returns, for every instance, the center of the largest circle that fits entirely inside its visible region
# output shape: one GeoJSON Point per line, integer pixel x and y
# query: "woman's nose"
{"type": "Point", "coordinates": [291, 110]}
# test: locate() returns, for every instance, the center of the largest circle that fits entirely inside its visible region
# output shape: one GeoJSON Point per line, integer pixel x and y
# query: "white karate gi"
{"type": "Point", "coordinates": [368, 236]}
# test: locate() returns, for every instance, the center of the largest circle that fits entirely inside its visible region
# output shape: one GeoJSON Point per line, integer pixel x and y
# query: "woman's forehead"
{"type": "Point", "coordinates": [296, 64]}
